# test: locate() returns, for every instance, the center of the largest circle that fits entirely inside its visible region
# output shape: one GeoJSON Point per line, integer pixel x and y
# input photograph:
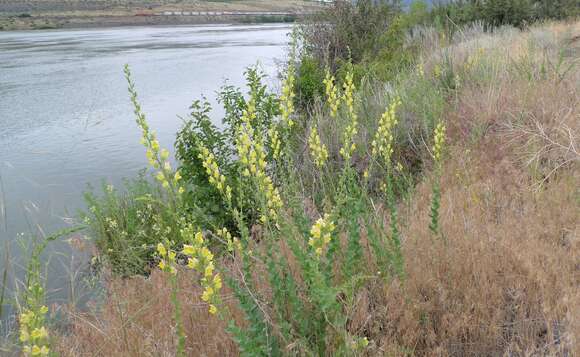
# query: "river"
{"type": "Point", "coordinates": [66, 119]}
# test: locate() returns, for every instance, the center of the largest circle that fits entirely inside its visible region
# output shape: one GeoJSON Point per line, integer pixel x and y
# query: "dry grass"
{"type": "Point", "coordinates": [136, 319]}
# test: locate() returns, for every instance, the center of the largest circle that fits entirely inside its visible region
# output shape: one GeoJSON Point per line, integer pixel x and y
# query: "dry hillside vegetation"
{"type": "Point", "coordinates": [502, 278]}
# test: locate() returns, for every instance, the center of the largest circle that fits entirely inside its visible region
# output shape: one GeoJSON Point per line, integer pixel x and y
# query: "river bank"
{"type": "Point", "coordinates": [15, 23]}
{"type": "Point", "coordinates": [52, 14]}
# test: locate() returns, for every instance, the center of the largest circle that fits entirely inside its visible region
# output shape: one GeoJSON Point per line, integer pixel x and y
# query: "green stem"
{"type": "Point", "coordinates": [178, 318]}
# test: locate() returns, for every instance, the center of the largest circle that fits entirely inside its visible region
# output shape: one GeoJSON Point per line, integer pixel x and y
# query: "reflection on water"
{"type": "Point", "coordinates": [65, 117]}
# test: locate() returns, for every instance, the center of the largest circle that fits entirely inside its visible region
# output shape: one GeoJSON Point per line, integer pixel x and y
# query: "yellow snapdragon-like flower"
{"type": "Point", "coordinates": [275, 142]}
{"type": "Point", "coordinates": [317, 148]}
{"type": "Point", "coordinates": [33, 334]}
{"type": "Point", "coordinates": [215, 177]}
{"type": "Point", "coordinates": [252, 155]}
{"type": "Point", "coordinates": [167, 259]}
{"type": "Point", "coordinates": [201, 259]}
{"type": "Point", "coordinates": [231, 243]}
{"type": "Point", "coordinates": [351, 130]}
{"type": "Point", "coordinates": [331, 91]}
{"type": "Point", "coordinates": [287, 96]}
{"type": "Point", "coordinates": [382, 144]}
{"type": "Point", "coordinates": [439, 142]}
{"type": "Point", "coordinates": [321, 234]}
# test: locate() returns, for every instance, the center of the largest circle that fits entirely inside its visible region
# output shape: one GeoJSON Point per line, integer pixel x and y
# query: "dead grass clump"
{"type": "Point", "coordinates": [502, 279]}
{"type": "Point", "coordinates": [136, 319]}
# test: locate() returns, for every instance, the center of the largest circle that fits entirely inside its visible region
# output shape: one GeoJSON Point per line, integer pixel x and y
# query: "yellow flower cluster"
{"type": "Point", "coordinates": [201, 259]}
{"type": "Point", "coordinates": [215, 177]}
{"type": "Point", "coordinates": [287, 96]}
{"type": "Point", "coordinates": [33, 334]}
{"type": "Point", "coordinates": [421, 69]}
{"type": "Point", "coordinates": [317, 149]}
{"type": "Point", "coordinates": [474, 59]}
{"type": "Point", "coordinates": [352, 128]}
{"type": "Point", "coordinates": [321, 234]}
{"type": "Point", "coordinates": [439, 142]}
{"type": "Point", "coordinates": [232, 243]}
{"type": "Point", "coordinates": [253, 158]}
{"type": "Point", "coordinates": [331, 94]}
{"type": "Point", "coordinates": [382, 144]}
{"type": "Point", "coordinates": [167, 262]}
{"type": "Point", "coordinates": [275, 142]}
{"type": "Point", "coordinates": [437, 71]}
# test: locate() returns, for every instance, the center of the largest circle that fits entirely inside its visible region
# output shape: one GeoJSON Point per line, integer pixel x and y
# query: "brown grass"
{"type": "Point", "coordinates": [136, 319]}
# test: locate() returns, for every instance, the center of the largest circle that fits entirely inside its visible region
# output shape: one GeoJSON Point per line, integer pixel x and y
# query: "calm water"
{"type": "Point", "coordinates": [65, 118]}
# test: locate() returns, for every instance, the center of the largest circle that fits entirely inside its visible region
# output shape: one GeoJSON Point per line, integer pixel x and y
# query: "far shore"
{"type": "Point", "coordinates": [32, 22]}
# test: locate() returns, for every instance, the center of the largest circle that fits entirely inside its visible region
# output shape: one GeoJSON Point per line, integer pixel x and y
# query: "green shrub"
{"type": "Point", "coordinates": [309, 84]}
{"type": "Point", "coordinates": [202, 198]}
{"type": "Point", "coordinates": [519, 13]}
{"type": "Point", "coordinates": [126, 226]}
{"type": "Point", "coordinates": [347, 31]}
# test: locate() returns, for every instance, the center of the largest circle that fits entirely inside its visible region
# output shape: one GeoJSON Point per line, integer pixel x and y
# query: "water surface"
{"type": "Point", "coordinates": [66, 120]}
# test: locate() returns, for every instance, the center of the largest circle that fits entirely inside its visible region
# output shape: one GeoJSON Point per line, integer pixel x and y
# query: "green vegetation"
{"type": "Point", "coordinates": [505, 12]}
{"type": "Point", "coordinates": [363, 211]}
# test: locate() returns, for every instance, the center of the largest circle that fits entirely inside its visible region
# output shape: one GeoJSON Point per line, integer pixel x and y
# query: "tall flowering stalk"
{"type": "Point", "coordinates": [351, 130]}
{"type": "Point", "coordinates": [382, 149]}
{"type": "Point", "coordinates": [158, 158]}
{"type": "Point", "coordinates": [34, 335]}
{"type": "Point", "coordinates": [332, 98]}
{"type": "Point", "coordinates": [382, 144]}
{"type": "Point", "coordinates": [317, 148]}
{"type": "Point", "coordinates": [252, 155]}
{"type": "Point", "coordinates": [286, 104]}
{"type": "Point", "coordinates": [438, 146]}
{"type": "Point", "coordinates": [287, 97]}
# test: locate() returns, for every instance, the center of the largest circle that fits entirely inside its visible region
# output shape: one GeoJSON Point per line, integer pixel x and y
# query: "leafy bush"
{"type": "Point", "coordinates": [309, 84]}
{"type": "Point", "coordinates": [204, 200]}
{"type": "Point", "coordinates": [496, 13]}
{"type": "Point", "coordinates": [126, 226]}
{"type": "Point", "coordinates": [347, 31]}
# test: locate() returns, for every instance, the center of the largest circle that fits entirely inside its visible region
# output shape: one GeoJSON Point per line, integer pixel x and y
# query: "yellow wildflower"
{"type": "Point", "coordinates": [189, 250]}
{"type": "Point", "coordinates": [35, 350]}
{"type": "Point", "coordinates": [24, 335]}
{"type": "Point", "coordinates": [215, 177]}
{"type": "Point", "coordinates": [287, 96]}
{"type": "Point", "coordinates": [253, 157]}
{"type": "Point", "coordinates": [352, 128]}
{"type": "Point", "coordinates": [161, 250]}
{"type": "Point", "coordinates": [201, 260]}
{"type": "Point", "coordinates": [382, 144]}
{"type": "Point", "coordinates": [439, 142]}
{"type": "Point", "coordinates": [274, 141]}
{"type": "Point", "coordinates": [164, 154]}
{"type": "Point", "coordinates": [331, 94]}
{"type": "Point", "coordinates": [321, 234]}
{"type": "Point", "coordinates": [317, 149]}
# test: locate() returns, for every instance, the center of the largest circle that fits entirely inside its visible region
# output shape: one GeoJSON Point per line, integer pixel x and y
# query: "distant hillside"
{"type": "Point", "coordinates": [44, 6]}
